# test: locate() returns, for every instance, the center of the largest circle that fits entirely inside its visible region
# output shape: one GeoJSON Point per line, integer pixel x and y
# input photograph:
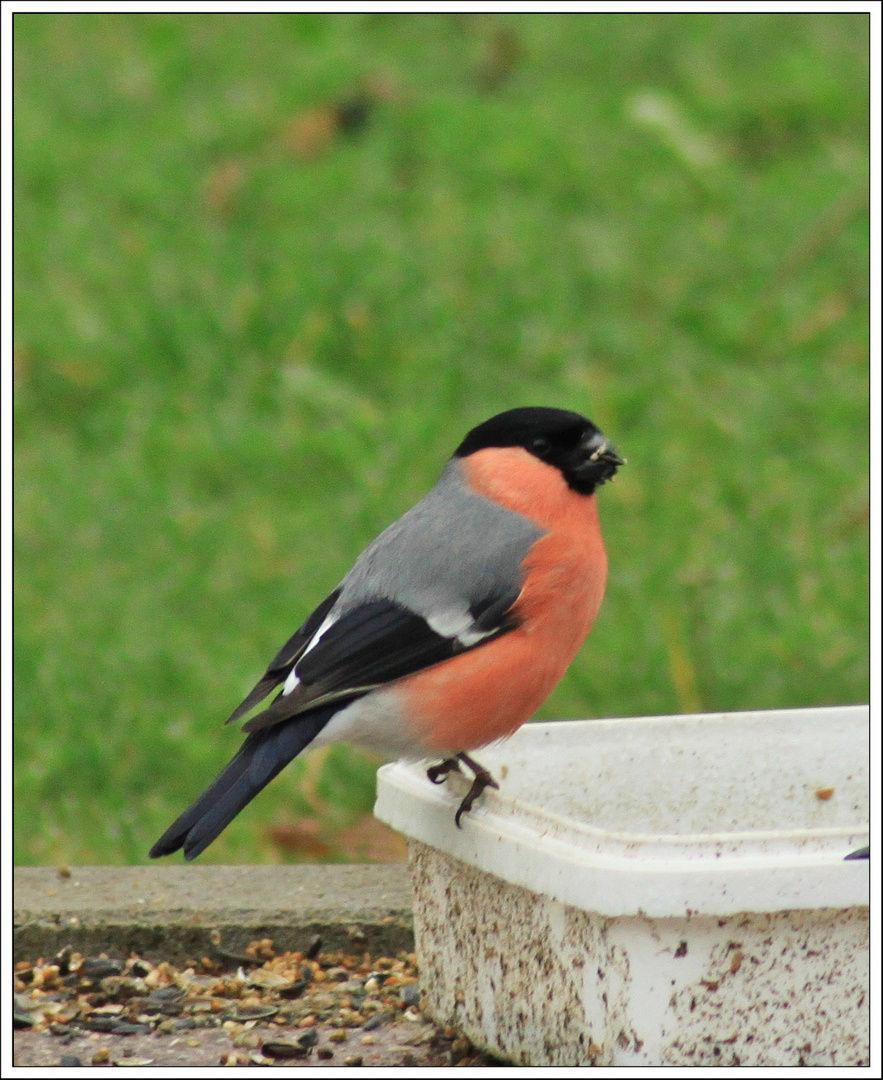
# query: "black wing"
{"type": "Point", "coordinates": [376, 643]}
{"type": "Point", "coordinates": [285, 659]}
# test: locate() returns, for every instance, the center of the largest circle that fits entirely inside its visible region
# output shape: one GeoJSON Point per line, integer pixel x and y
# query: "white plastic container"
{"type": "Point", "coordinates": [655, 891]}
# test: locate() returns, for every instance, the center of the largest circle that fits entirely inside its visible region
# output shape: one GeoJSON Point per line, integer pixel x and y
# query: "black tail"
{"type": "Point", "coordinates": [261, 757]}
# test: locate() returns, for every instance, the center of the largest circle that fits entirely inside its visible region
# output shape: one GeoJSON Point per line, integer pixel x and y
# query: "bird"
{"type": "Point", "coordinates": [450, 629]}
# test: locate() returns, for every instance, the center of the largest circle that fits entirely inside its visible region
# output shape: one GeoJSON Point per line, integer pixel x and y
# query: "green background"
{"type": "Point", "coordinates": [249, 330]}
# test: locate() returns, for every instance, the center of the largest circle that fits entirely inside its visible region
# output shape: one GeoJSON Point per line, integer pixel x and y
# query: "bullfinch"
{"type": "Point", "coordinates": [451, 628]}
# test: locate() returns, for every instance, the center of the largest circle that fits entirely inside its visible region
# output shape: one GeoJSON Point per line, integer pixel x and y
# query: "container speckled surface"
{"type": "Point", "coordinates": [659, 891]}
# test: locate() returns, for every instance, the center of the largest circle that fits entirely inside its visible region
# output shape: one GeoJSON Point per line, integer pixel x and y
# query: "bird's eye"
{"type": "Point", "coordinates": [539, 445]}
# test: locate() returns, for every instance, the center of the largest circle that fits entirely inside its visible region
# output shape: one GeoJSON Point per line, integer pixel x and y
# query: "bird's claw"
{"type": "Point", "coordinates": [437, 773]}
{"type": "Point", "coordinates": [483, 779]}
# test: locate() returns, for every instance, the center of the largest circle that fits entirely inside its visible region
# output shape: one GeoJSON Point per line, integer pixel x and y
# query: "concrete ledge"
{"type": "Point", "coordinates": [173, 912]}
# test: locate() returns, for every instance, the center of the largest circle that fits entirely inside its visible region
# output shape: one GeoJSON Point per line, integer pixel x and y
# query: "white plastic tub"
{"type": "Point", "coordinates": [656, 891]}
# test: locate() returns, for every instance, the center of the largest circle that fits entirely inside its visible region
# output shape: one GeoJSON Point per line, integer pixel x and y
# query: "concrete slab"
{"type": "Point", "coordinates": [177, 912]}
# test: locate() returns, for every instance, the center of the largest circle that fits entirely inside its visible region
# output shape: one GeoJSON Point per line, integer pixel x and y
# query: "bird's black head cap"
{"type": "Point", "coordinates": [558, 437]}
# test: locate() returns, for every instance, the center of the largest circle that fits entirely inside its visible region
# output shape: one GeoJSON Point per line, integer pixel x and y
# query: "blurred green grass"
{"type": "Point", "coordinates": [246, 340]}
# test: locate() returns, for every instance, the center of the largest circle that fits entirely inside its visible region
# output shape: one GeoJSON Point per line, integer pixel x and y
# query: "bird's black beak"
{"type": "Point", "coordinates": [595, 462]}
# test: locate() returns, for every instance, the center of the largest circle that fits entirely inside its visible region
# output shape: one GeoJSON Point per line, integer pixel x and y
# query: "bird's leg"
{"type": "Point", "coordinates": [438, 773]}
{"type": "Point", "coordinates": [482, 780]}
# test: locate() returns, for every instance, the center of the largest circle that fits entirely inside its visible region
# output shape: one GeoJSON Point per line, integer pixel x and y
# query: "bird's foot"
{"type": "Point", "coordinates": [437, 773]}
{"type": "Point", "coordinates": [483, 779]}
